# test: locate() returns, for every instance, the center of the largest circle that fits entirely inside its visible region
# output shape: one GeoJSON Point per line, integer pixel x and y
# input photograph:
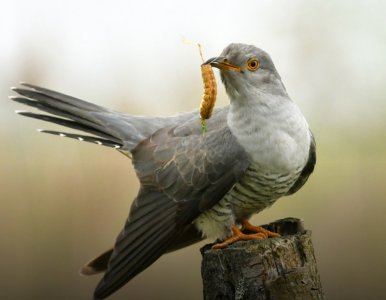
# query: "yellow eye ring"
{"type": "Point", "coordinates": [253, 64]}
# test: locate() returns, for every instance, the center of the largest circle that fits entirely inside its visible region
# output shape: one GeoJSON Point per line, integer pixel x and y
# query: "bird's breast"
{"type": "Point", "coordinates": [276, 136]}
{"type": "Point", "coordinates": [256, 190]}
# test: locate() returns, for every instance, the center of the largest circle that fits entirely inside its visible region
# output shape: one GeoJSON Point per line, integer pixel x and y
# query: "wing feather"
{"type": "Point", "coordinates": [307, 170]}
{"type": "Point", "coordinates": [181, 175]}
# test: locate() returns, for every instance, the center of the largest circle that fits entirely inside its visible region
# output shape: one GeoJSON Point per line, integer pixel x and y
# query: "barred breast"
{"type": "Point", "coordinates": [275, 135]}
{"type": "Point", "coordinates": [255, 191]}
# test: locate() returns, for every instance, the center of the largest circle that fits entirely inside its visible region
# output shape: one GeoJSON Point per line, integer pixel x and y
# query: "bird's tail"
{"type": "Point", "coordinates": [73, 113]}
{"type": "Point", "coordinates": [106, 127]}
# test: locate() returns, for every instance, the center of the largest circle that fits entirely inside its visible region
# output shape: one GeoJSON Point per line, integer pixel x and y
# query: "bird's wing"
{"type": "Point", "coordinates": [182, 174]}
{"type": "Point", "coordinates": [307, 170]}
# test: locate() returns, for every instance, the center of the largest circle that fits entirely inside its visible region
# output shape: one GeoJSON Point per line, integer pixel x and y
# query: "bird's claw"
{"type": "Point", "coordinates": [258, 229]}
{"type": "Point", "coordinates": [260, 233]}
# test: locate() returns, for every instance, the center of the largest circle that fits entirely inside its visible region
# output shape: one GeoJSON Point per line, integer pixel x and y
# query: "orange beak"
{"type": "Point", "coordinates": [222, 63]}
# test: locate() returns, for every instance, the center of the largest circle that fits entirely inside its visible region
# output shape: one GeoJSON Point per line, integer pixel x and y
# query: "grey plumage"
{"type": "Point", "coordinates": [254, 151]}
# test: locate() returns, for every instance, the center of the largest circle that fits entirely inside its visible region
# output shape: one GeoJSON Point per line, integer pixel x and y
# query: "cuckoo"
{"type": "Point", "coordinates": [193, 186]}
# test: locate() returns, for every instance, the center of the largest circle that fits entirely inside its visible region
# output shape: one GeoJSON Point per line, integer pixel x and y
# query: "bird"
{"type": "Point", "coordinates": [256, 150]}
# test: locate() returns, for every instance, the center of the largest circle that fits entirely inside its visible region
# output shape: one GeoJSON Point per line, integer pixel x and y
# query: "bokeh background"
{"type": "Point", "coordinates": [63, 202]}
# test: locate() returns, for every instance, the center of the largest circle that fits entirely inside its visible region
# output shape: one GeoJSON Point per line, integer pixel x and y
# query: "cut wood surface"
{"type": "Point", "coordinates": [276, 268]}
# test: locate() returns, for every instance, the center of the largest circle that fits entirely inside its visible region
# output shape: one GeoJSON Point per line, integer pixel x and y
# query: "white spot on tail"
{"type": "Point", "coordinates": [98, 142]}
{"type": "Point", "coordinates": [80, 139]}
{"type": "Point", "coordinates": [40, 130]}
{"type": "Point", "coordinates": [117, 146]}
{"type": "Point", "coordinates": [62, 134]}
{"type": "Point", "coordinates": [20, 111]}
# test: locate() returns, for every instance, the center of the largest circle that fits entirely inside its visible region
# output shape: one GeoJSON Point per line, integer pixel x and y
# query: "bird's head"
{"type": "Point", "coordinates": [247, 69]}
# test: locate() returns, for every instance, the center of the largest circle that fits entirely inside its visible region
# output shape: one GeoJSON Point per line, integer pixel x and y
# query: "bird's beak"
{"type": "Point", "coordinates": [222, 63]}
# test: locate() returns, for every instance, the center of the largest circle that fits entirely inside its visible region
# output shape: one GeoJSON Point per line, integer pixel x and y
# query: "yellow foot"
{"type": "Point", "coordinates": [238, 235]}
{"type": "Point", "coordinates": [266, 233]}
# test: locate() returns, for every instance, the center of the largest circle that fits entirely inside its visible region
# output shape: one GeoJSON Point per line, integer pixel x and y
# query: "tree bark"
{"type": "Point", "coordinates": [275, 268]}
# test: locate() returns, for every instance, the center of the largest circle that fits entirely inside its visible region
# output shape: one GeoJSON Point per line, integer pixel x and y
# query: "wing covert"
{"type": "Point", "coordinates": [182, 174]}
{"type": "Point", "coordinates": [191, 169]}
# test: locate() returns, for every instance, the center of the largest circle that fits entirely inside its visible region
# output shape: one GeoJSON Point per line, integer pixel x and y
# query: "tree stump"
{"type": "Point", "coordinates": [276, 268]}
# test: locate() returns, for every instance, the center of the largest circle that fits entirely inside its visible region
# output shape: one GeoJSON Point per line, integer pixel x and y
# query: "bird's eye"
{"type": "Point", "coordinates": [253, 64]}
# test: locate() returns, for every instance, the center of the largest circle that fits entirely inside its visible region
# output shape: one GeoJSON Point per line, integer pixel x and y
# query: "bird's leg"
{"type": "Point", "coordinates": [258, 229]}
{"type": "Point", "coordinates": [259, 234]}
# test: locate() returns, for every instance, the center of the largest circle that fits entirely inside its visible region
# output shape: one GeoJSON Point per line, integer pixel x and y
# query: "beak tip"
{"type": "Point", "coordinates": [210, 60]}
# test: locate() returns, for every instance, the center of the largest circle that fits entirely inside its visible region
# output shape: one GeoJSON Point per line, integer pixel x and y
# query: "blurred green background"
{"type": "Point", "coordinates": [63, 202]}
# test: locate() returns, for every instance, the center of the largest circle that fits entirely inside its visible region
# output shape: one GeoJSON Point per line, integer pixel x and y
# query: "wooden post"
{"type": "Point", "coordinates": [281, 268]}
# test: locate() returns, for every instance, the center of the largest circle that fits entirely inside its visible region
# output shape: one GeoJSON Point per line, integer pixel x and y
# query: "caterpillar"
{"type": "Point", "coordinates": [210, 92]}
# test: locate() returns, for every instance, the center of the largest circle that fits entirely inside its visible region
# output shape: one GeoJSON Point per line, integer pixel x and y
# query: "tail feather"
{"type": "Point", "coordinates": [85, 138]}
{"type": "Point", "coordinates": [51, 110]}
{"type": "Point", "coordinates": [63, 97]}
{"type": "Point", "coordinates": [72, 113]}
{"type": "Point", "coordinates": [69, 124]}
{"type": "Point", "coordinates": [58, 107]}
{"type": "Point", "coordinates": [124, 129]}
